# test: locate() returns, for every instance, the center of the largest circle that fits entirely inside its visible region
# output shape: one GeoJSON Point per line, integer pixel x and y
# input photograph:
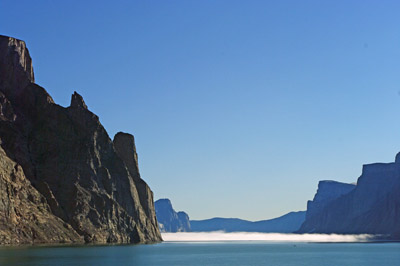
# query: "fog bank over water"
{"type": "Point", "coordinates": [245, 236]}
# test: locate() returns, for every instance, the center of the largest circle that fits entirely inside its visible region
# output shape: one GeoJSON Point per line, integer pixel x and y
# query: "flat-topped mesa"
{"type": "Point", "coordinates": [328, 191]}
{"type": "Point", "coordinates": [382, 175]}
{"type": "Point", "coordinates": [16, 71]}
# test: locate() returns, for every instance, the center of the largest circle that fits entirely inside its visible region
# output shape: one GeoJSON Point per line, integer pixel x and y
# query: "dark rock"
{"type": "Point", "coordinates": [68, 157]}
{"type": "Point", "coordinates": [168, 219]}
{"type": "Point", "coordinates": [124, 145]}
{"type": "Point", "coordinates": [16, 71]}
{"type": "Point", "coordinates": [25, 216]}
{"type": "Point", "coordinates": [77, 101]}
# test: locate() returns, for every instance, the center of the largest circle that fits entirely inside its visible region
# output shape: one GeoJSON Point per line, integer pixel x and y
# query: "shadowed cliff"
{"type": "Point", "coordinates": [372, 206]}
{"type": "Point", "coordinates": [71, 176]}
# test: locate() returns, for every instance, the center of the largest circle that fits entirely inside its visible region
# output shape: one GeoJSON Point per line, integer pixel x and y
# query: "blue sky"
{"type": "Point", "coordinates": [238, 108]}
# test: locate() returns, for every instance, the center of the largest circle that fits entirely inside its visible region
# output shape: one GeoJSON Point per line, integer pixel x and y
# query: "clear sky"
{"type": "Point", "coordinates": [238, 108]}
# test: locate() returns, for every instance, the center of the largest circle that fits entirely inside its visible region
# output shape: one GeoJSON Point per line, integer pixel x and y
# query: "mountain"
{"type": "Point", "coordinates": [287, 223]}
{"type": "Point", "coordinates": [327, 192]}
{"type": "Point", "coordinates": [372, 207]}
{"type": "Point", "coordinates": [63, 180]}
{"type": "Point", "coordinates": [171, 221]}
{"type": "Point", "coordinates": [168, 219]}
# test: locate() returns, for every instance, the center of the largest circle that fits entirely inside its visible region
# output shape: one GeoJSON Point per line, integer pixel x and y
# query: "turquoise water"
{"type": "Point", "coordinates": [223, 253]}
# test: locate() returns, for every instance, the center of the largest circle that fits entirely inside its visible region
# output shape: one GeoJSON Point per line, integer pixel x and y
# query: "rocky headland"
{"type": "Point", "coordinates": [169, 220]}
{"type": "Point", "coordinates": [370, 207]}
{"type": "Point", "coordinates": [327, 192]}
{"type": "Point", "coordinates": [62, 179]}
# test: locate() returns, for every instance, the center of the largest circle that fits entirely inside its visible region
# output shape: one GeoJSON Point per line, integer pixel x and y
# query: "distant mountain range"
{"type": "Point", "coordinates": [287, 223]}
{"type": "Point", "coordinates": [171, 221]}
{"type": "Point", "coordinates": [372, 206]}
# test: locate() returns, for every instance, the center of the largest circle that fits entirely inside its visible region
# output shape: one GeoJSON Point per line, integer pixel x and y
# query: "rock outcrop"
{"type": "Point", "coordinates": [169, 220]}
{"type": "Point", "coordinates": [287, 223]}
{"type": "Point", "coordinates": [71, 179]}
{"type": "Point", "coordinates": [327, 192]}
{"type": "Point", "coordinates": [372, 207]}
{"type": "Point", "coordinates": [25, 216]}
{"type": "Point", "coordinates": [184, 221]}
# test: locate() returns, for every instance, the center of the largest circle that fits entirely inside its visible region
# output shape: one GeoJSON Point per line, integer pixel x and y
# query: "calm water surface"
{"type": "Point", "coordinates": [222, 253]}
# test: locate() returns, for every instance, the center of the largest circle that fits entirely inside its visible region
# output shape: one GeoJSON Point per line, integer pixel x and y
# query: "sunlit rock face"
{"type": "Point", "coordinates": [169, 220]}
{"type": "Point", "coordinates": [84, 186]}
{"type": "Point", "coordinates": [372, 207]}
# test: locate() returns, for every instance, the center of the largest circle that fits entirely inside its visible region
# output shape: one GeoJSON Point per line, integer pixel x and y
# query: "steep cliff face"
{"type": "Point", "coordinates": [184, 220]}
{"type": "Point", "coordinates": [89, 183]}
{"type": "Point", "coordinates": [169, 220]}
{"type": "Point", "coordinates": [327, 192]}
{"type": "Point", "coordinates": [373, 206]}
{"type": "Point", "coordinates": [25, 216]}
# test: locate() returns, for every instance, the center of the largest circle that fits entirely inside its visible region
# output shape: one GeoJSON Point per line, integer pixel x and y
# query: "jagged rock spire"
{"type": "Point", "coordinates": [77, 101]}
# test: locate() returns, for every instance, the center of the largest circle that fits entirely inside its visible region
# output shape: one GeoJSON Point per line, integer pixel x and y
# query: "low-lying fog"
{"type": "Point", "coordinates": [245, 236]}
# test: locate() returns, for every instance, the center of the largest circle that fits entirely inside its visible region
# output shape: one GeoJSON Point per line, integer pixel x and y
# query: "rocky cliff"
{"type": "Point", "coordinates": [327, 192]}
{"type": "Point", "coordinates": [62, 178]}
{"type": "Point", "coordinates": [169, 220]}
{"type": "Point", "coordinates": [372, 207]}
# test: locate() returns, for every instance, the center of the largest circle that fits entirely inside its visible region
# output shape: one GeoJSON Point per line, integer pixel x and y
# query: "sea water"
{"type": "Point", "coordinates": [208, 253]}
